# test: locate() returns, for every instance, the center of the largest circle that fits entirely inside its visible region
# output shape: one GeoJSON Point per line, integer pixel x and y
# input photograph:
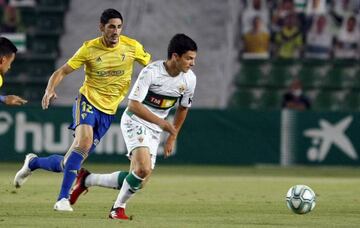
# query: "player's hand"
{"type": "Point", "coordinates": [166, 126]}
{"type": "Point", "coordinates": [169, 145]}
{"type": "Point", "coordinates": [48, 97]}
{"type": "Point", "coordinates": [14, 100]}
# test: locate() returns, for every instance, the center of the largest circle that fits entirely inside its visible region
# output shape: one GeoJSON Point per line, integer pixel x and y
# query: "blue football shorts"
{"type": "Point", "coordinates": [84, 112]}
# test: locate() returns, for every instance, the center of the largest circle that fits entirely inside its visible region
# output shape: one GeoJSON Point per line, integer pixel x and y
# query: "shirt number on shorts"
{"type": "Point", "coordinates": [141, 131]}
{"type": "Point", "coordinates": [86, 107]}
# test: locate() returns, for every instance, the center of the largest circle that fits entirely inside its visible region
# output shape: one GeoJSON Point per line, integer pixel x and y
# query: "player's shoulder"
{"type": "Point", "coordinates": [92, 42]}
{"type": "Point", "coordinates": [191, 75]}
{"type": "Point", "coordinates": [152, 69]}
{"type": "Point", "coordinates": [155, 66]}
{"type": "Point", "coordinates": [129, 41]}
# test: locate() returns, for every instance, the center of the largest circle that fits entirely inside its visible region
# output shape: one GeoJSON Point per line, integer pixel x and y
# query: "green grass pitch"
{"type": "Point", "coordinates": [190, 196]}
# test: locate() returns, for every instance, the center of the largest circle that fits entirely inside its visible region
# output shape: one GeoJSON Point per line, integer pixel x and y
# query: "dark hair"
{"type": "Point", "coordinates": [6, 47]}
{"type": "Point", "coordinates": [180, 44]}
{"type": "Point", "coordinates": [110, 14]}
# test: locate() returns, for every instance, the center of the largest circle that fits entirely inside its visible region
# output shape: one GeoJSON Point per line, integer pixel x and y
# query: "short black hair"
{"type": "Point", "coordinates": [180, 44]}
{"type": "Point", "coordinates": [110, 14]}
{"type": "Point", "coordinates": [6, 47]}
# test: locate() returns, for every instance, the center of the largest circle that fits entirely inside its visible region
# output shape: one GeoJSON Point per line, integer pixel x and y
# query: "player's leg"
{"type": "Point", "coordinates": [32, 162]}
{"type": "Point", "coordinates": [86, 119]}
{"type": "Point", "coordinates": [85, 179]}
{"type": "Point", "coordinates": [141, 164]}
{"type": "Point", "coordinates": [141, 143]}
{"type": "Point", "coordinates": [79, 151]}
{"type": "Point", "coordinates": [54, 163]}
{"type": "Point", "coordinates": [51, 163]}
{"type": "Point", "coordinates": [109, 180]}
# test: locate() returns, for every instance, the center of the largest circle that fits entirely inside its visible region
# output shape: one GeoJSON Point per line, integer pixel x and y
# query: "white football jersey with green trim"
{"type": "Point", "coordinates": [159, 91]}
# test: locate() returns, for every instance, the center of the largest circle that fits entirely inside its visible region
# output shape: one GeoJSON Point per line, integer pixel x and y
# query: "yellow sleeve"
{"type": "Point", "coordinates": [79, 57]}
{"type": "Point", "coordinates": [141, 56]}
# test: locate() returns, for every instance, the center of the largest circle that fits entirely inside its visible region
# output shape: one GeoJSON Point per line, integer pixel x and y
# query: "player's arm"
{"type": "Point", "coordinates": [12, 100]}
{"type": "Point", "coordinates": [53, 82]}
{"type": "Point", "coordinates": [141, 55]}
{"type": "Point", "coordinates": [141, 111]}
{"type": "Point", "coordinates": [180, 116]}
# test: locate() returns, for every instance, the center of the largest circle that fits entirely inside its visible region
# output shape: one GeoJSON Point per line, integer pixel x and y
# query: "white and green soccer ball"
{"type": "Point", "coordinates": [300, 199]}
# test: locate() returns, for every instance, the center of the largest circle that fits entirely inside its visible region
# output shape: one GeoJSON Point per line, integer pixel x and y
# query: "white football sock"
{"type": "Point", "coordinates": [103, 180]}
{"type": "Point", "coordinates": [124, 194]}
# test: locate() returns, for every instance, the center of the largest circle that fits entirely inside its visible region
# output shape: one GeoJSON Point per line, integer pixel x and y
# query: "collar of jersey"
{"type": "Point", "coordinates": [100, 44]}
{"type": "Point", "coordinates": [163, 70]}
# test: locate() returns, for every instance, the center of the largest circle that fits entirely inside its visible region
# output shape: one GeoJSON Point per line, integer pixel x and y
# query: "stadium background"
{"type": "Point", "coordinates": [238, 152]}
{"type": "Point", "coordinates": [237, 116]}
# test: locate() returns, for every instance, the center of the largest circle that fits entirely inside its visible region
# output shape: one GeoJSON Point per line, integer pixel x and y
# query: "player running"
{"type": "Point", "coordinates": [108, 63]}
{"type": "Point", "coordinates": [158, 88]}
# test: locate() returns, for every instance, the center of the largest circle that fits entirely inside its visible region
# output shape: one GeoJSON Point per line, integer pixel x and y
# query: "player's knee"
{"type": "Point", "coordinates": [143, 172]}
{"type": "Point", "coordinates": [84, 143]}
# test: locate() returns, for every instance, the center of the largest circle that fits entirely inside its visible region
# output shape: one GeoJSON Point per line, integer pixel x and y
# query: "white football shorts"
{"type": "Point", "coordinates": [138, 135]}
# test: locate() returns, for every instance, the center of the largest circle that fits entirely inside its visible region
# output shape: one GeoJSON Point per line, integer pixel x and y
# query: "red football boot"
{"type": "Point", "coordinates": [118, 213]}
{"type": "Point", "coordinates": [79, 186]}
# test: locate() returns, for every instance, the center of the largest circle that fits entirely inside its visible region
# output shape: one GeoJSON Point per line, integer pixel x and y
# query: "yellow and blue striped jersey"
{"type": "Point", "coordinates": [108, 70]}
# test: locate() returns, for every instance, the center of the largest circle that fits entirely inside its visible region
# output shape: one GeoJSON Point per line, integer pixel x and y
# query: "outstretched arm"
{"type": "Point", "coordinates": [12, 100]}
{"type": "Point", "coordinates": [53, 82]}
{"type": "Point", "coordinates": [180, 116]}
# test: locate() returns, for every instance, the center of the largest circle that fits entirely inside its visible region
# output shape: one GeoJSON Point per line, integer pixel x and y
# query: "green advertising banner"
{"type": "Point", "coordinates": [230, 137]}
{"type": "Point", "coordinates": [322, 138]}
{"type": "Point", "coordinates": [207, 137]}
{"type": "Point", "coordinates": [235, 137]}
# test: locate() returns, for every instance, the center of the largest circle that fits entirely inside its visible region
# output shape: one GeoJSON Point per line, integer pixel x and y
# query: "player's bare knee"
{"type": "Point", "coordinates": [84, 144]}
{"type": "Point", "coordinates": [142, 171]}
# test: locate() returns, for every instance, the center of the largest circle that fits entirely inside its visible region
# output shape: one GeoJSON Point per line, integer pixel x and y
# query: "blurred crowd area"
{"type": "Point", "coordinates": [11, 21]}
{"type": "Point", "coordinates": [319, 29]}
{"type": "Point", "coordinates": [35, 27]}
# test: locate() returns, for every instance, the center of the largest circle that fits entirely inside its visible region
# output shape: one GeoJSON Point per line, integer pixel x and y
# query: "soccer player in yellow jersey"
{"type": "Point", "coordinates": [108, 63]}
{"type": "Point", "coordinates": [7, 56]}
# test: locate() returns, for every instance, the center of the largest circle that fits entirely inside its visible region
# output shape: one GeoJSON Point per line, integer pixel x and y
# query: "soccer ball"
{"type": "Point", "coordinates": [300, 199]}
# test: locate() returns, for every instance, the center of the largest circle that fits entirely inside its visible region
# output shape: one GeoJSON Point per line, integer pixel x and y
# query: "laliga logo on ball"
{"type": "Point", "coordinates": [5, 122]}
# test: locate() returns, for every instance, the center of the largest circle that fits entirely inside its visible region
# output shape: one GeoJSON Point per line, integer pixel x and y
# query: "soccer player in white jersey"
{"type": "Point", "coordinates": [158, 88]}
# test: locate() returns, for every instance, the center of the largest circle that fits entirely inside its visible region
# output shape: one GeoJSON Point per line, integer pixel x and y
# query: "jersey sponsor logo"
{"type": "Point", "coordinates": [110, 73]}
{"type": "Point", "coordinates": [159, 101]}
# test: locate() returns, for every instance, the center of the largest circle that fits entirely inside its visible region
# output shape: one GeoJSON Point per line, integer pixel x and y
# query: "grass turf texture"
{"type": "Point", "coordinates": [190, 196]}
